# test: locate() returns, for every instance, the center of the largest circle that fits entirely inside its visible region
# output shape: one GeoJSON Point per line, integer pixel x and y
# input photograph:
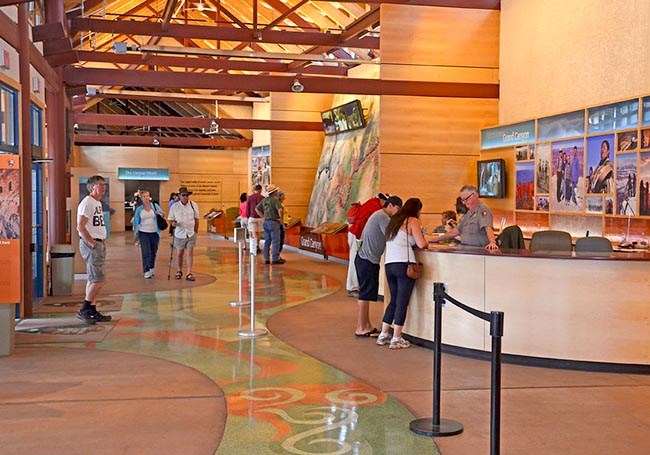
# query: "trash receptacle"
{"type": "Point", "coordinates": [62, 266]}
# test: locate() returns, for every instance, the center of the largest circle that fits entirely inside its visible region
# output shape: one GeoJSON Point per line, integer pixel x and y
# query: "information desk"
{"type": "Point", "coordinates": [571, 308]}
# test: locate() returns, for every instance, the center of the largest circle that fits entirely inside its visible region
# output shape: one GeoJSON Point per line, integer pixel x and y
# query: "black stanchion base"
{"type": "Point", "coordinates": [425, 427]}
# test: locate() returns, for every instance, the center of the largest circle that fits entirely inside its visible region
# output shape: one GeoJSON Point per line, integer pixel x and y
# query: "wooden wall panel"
{"type": "Point", "coordinates": [429, 146]}
{"type": "Point", "coordinates": [297, 185]}
{"type": "Point", "coordinates": [440, 74]}
{"type": "Point", "coordinates": [413, 125]}
{"type": "Point", "coordinates": [229, 167]}
{"type": "Point", "coordinates": [296, 149]}
{"type": "Point", "coordinates": [424, 35]}
{"type": "Point", "coordinates": [435, 179]}
{"type": "Point", "coordinates": [314, 102]}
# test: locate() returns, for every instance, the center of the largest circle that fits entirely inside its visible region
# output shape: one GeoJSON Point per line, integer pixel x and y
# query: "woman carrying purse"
{"type": "Point", "coordinates": [147, 232]}
{"type": "Point", "coordinates": [403, 232]}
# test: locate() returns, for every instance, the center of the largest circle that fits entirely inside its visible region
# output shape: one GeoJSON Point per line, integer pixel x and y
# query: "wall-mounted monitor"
{"type": "Point", "coordinates": [347, 117]}
{"type": "Point", "coordinates": [491, 178]}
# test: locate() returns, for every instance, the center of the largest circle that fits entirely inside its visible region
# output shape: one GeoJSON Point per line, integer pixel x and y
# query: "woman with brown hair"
{"type": "Point", "coordinates": [403, 232]}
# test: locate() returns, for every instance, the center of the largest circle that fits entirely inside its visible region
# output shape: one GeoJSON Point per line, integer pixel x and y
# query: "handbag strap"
{"type": "Point", "coordinates": [408, 256]}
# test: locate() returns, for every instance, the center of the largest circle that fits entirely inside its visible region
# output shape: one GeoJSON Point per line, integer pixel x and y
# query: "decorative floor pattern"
{"type": "Point", "coordinates": [279, 400]}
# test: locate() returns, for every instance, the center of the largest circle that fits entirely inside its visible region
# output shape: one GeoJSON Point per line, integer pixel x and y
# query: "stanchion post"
{"type": "Point", "coordinates": [240, 237]}
{"type": "Point", "coordinates": [496, 332]}
{"type": "Point", "coordinates": [436, 426]}
{"type": "Point", "coordinates": [253, 332]}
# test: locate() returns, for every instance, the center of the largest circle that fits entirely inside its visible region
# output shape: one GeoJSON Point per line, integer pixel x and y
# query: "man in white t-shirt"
{"type": "Point", "coordinates": [92, 234]}
{"type": "Point", "coordinates": [184, 217]}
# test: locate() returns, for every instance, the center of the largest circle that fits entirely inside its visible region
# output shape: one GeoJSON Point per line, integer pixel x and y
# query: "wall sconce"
{"type": "Point", "coordinates": [155, 141]}
{"type": "Point", "coordinates": [4, 60]}
{"type": "Point", "coordinates": [36, 84]}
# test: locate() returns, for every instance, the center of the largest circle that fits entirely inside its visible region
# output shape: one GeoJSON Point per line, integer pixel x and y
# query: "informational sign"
{"type": "Point", "coordinates": [502, 136]}
{"type": "Point", "coordinates": [140, 173]}
{"type": "Point", "coordinates": [310, 241]}
{"type": "Point", "coordinates": [10, 257]}
{"type": "Point", "coordinates": [261, 166]}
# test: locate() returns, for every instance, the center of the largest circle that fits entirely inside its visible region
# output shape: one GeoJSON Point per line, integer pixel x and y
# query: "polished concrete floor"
{"type": "Point", "coordinates": [174, 376]}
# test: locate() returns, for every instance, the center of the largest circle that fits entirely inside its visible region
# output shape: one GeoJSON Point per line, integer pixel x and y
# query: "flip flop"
{"type": "Point", "coordinates": [190, 277]}
{"type": "Point", "coordinates": [374, 333]}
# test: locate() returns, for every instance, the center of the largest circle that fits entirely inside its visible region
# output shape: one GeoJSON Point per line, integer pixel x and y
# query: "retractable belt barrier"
{"type": "Point", "coordinates": [435, 426]}
{"type": "Point", "coordinates": [240, 238]}
{"type": "Point", "coordinates": [252, 332]}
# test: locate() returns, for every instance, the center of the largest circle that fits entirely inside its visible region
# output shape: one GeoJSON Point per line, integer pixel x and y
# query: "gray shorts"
{"type": "Point", "coordinates": [94, 259]}
{"type": "Point", "coordinates": [181, 244]}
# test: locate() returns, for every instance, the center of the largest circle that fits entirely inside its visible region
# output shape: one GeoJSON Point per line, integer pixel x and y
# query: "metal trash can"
{"type": "Point", "coordinates": [62, 266]}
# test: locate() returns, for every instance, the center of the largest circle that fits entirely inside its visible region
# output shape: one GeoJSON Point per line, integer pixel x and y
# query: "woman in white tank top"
{"type": "Point", "coordinates": [403, 232]}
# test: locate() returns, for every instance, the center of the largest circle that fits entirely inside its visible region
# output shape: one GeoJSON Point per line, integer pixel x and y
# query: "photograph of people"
{"type": "Point", "coordinates": [626, 184]}
{"type": "Point", "coordinates": [601, 179]}
{"type": "Point", "coordinates": [567, 179]}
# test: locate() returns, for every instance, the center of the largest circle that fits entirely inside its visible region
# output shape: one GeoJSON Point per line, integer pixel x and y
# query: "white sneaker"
{"type": "Point", "coordinates": [398, 343]}
{"type": "Point", "coordinates": [148, 274]}
{"type": "Point", "coordinates": [153, 272]}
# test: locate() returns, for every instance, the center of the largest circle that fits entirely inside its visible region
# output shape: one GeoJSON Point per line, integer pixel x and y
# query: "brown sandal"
{"type": "Point", "coordinates": [190, 277]}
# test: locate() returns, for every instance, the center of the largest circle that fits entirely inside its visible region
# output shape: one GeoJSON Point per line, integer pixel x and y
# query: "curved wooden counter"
{"type": "Point", "coordinates": [572, 308]}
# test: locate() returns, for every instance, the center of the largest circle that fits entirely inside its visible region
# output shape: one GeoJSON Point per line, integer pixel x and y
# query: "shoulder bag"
{"type": "Point", "coordinates": [413, 269]}
{"type": "Point", "coordinates": [160, 220]}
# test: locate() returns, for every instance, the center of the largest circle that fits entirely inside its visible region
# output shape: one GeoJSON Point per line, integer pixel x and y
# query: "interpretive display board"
{"type": "Point", "coordinates": [10, 257]}
{"type": "Point", "coordinates": [591, 161]}
{"type": "Point", "coordinates": [261, 166]}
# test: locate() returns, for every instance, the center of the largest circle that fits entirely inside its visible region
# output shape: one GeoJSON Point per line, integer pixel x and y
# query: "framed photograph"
{"type": "Point", "coordinates": [594, 204]}
{"type": "Point", "coordinates": [521, 153]}
{"type": "Point", "coordinates": [609, 205]}
{"type": "Point", "coordinates": [531, 152]}
{"type": "Point", "coordinates": [542, 168]}
{"type": "Point", "coordinates": [628, 140]}
{"type": "Point", "coordinates": [626, 200]}
{"type": "Point", "coordinates": [567, 178]}
{"type": "Point", "coordinates": [600, 169]}
{"type": "Point", "coordinates": [645, 139]}
{"type": "Point", "coordinates": [525, 185]}
{"type": "Point", "coordinates": [644, 183]}
{"type": "Point", "coordinates": [541, 203]}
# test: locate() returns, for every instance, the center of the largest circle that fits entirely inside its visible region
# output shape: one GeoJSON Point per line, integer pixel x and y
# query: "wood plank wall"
{"type": "Point", "coordinates": [229, 167]}
{"type": "Point", "coordinates": [295, 154]}
{"type": "Point", "coordinates": [429, 146]}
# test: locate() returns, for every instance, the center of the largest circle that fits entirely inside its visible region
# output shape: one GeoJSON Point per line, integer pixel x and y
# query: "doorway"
{"type": "Point", "coordinates": [130, 188]}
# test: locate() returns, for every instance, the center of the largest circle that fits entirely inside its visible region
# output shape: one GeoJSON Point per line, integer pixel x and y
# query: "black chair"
{"type": "Point", "coordinates": [594, 247]}
{"type": "Point", "coordinates": [511, 238]}
{"type": "Point", "coordinates": [551, 243]}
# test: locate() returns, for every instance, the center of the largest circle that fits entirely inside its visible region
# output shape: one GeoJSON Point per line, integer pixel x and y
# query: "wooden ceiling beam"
{"type": "Point", "coordinates": [207, 63]}
{"type": "Point", "coordinates": [221, 33]}
{"type": "Point", "coordinates": [163, 141]}
{"type": "Point", "coordinates": [191, 122]}
{"type": "Point", "coordinates": [241, 82]}
{"type": "Point", "coordinates": [471, 4]}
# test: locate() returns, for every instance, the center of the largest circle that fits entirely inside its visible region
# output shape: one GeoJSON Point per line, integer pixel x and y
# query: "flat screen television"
{"type": "Point", "coordinates": [346, 117]}
{"type": "Point", "coordinates": [491, 178]}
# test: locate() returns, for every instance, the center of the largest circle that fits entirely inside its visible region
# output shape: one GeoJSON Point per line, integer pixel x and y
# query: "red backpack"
{"type": "Point", "coordinates": [361, 215]}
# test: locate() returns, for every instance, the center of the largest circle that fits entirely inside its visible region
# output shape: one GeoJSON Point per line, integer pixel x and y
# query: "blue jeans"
{"type": "Point", "coordinates": [401, 287]}
{"type": "Point", "coordinates": [149, 249]}
{"type": "Point", "coordinates": [272, 232]}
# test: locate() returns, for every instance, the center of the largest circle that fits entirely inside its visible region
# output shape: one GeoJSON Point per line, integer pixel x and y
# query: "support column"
{"type": "Point", "coordinates": [27, 294]}
{"type": "Point", "coordinates": [55, 116]}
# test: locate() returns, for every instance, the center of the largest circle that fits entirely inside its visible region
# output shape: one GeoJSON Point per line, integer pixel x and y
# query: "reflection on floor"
{"type": "Point", "coordinates": [278, 399]}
